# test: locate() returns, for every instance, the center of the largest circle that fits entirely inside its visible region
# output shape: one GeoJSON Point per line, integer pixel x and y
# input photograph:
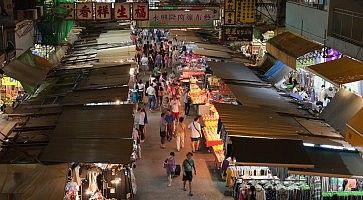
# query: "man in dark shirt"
{"type": "Point", "coordinates": [170, 126]}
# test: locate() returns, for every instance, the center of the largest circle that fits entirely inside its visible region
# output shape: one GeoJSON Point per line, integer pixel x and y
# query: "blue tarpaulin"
{"type": "Point", "coordinates": [276, 72]}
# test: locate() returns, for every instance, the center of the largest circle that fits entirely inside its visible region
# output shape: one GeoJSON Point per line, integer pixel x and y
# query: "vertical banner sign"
{"type": "Point", "coordinates": [84, 11]}
{"type": "Point", "coordinates": [70, 9]}
{"type": "Point", "coordinates": [229, 12]}
{"type": "Point", "coordinates": [103, 11]}
{"type": "Point", "coordinates": [239, 10]}
{"type": "Point", "coordinates": [140, 11]}
{"type": "Point", "coordinates": [246, 9]}
{"type": "Point", "coordinates": [122, 11]}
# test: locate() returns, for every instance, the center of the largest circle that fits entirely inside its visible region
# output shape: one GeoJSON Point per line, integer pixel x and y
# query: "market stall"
{"type": "Point", "coordinates": [100, 161]}
{"type": "Point", "coordinates": [336, 173]}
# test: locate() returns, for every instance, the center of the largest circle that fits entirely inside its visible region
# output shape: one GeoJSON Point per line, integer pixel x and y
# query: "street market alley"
{"type": "Point", "coordinates": [151, 176]}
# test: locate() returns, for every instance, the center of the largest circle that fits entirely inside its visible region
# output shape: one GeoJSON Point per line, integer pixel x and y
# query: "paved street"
{"type": "Point", "coordinates": [151, 176]}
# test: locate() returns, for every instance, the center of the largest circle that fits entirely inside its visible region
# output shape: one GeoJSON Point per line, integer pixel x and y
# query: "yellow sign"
{"type": "Point", "coordinates": [229, 12]}
{"type": "Point", "coordinates": [9, 81]}
{"type": "Point", "coordinates": [245, 11]}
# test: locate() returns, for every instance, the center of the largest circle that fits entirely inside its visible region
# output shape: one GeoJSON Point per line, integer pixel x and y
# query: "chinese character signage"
{"type": "Point", "coordinates": [84, 11]}
{"type": "Point", "coordinates": [229, 12]}
{"type": "Point", "coordinates": [181, 19]}
{"type": "Point", "coordinates": [103, 11]}
{"type": "Point", "coordinates": [70, 10]}
{"type": "Point", "coordinates": [237, 33]}
{"type": "Point", "coordinates": [239, 12]}
{"type": "Point", "coordinates": [122, 11]}
{"type": "Point", "coordinates": [245, 11]}
{"type": "Point", "coordinates": [140, 11]}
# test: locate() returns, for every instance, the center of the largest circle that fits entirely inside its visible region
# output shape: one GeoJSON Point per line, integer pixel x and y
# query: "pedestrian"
{"type": "Point", "coordinates": [160, 94]}
{"type": "Point", "coordinates": [144, 63]}
{"type": "Point", "coordinates": [180, 130]}
{"type": "Point", "coordinates": [151, 93]}
{"type": "Point", "coordinates": [187, 101]}
{"type": "Point", "coordinates": [142, 124]}
{"type": "Point", "coordinates": [188, 167]}
{"type": "Point", "coordinates": [136, 138]}
{"type": "Point", "coordinates": [137, 117]}
{"type": "Point", "coordinates": [170, 125]}
{"type": "Point", "coordinates": [175, 107]}
{"type": "Point", "coordinates": [163, 125]}
{"type": "Point", "coordinates": [170, 165]}
{"type": "Point", "coordinates": [196, 133]}
{"type": "Point", "coordinates": [145, 121]}
{"type": "Point", "coordinates": [141, 87]}
{"type": "Point", "coordinates": [158, 60]}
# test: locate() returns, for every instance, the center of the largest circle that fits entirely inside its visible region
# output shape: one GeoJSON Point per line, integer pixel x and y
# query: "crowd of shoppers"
{"type": "Point", "coordinates": [162, 92]}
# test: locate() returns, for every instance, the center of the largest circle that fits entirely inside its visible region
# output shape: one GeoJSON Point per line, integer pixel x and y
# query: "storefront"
{"type": "Point", "coordinates": [100, 181]}
{"type": "Point", "coordinates": [10, 90]}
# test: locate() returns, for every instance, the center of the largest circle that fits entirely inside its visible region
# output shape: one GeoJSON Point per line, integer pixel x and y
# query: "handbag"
{"type": "Point", "coordinates": [200, 134]}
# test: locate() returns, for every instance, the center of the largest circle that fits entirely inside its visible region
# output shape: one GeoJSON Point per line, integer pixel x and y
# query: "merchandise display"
{"type": "Point", "coordinates": [197, 95]}
{"type": "Point", "coordinates": [193, 66]}
{"type": "Point", "coordinates": [100, 181]}
{"type": "Point", "coordinates": [219, 91]}
{"type": "Point", "coordinates": [218, 153]}
{"type": "Point", "coordinates": [210, 129]}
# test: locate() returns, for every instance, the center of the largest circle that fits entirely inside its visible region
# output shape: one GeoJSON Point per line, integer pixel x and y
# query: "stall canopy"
{"type": "Point", "coordinates": [277, 72]}
{"type": "Point", "coordinates": [96, 96]}
{"type": "Point", "coordinates": [214, 47]}
{"type": "Point", "coordinates": [332, 163]}
{"type": "Point", "coordinates": [270, 152]}
{"type": "Point", "coordinates": [340, 71]}
{"type": "Point", "coordinates": [105, 77]}
{"type": "Point", "coordinates": [99, 122]}
{"type": "Point", "coordinates": [32, 181]}
{"type": "Point", "coordinates": [354, 130]}
{"type": "Point", "coordinates": [288, 47]}
{"type": "Point", "coordinates": [341, 109]}
{"type": "Point", "coordinates": [92, 134]}
{"type": "Point", "coordinates": [247, 121]}
{"type": "Point", "coordinates": [267, 62]}
{"type": "Point", "coordinates": [212, 53]}
{"type": "Point", "coordinates": [115, 151]}
{"type": "Point", "coordinates": [264, 98]}
{"type": "Point", "coordinates": [233, 71]}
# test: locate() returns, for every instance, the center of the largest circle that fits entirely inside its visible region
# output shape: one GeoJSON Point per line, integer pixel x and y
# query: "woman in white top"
{"type": "Point", "coordinates": [196, 133]}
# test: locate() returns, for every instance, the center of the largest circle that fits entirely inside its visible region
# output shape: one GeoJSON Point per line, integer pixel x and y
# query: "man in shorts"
{"type": "Point", "coordinates": [188, 167]}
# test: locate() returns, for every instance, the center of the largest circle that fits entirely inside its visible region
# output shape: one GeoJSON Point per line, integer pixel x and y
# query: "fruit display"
{"type": "Point", "coordinates": [218, 153]}
{"type": "Point", "coordinates": [197, 95]}
{"type": "Point", "coordinates": [210, 129]}
{"type": "Point", "coordinates": [189, 74]}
